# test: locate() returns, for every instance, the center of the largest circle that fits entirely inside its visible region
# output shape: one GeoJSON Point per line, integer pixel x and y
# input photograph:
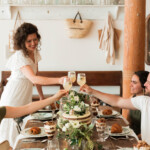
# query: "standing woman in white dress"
{"type": "Point", "coordinates": [24, 67]}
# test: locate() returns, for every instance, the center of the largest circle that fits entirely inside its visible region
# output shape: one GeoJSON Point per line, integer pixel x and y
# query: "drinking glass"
{"type": "Point", "coordinates": [72, 76]}
{"type": "Point", "coordinates": [53, 144]}
{"type": "Point", "coordinates": [81, 79]}
{"type": "Point", "coordinates": [67, 84]}
{"type": "Point", "coordinates": [102, 130]}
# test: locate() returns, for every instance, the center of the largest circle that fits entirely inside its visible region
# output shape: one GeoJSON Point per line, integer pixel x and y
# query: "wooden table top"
{"type": "Point", "coordinates": [109, 144]}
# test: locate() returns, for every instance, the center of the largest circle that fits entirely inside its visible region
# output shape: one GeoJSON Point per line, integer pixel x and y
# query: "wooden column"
{"type": "Point", "coordinates": [134, 42]}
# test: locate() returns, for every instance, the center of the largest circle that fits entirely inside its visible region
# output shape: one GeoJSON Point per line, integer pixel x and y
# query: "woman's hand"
{"type": "Point", "coordinates": [85, 88]}
{"type": "Point", "coordinates": [61, 80]}
{"type": "Point", "coordinates": [59, 94]}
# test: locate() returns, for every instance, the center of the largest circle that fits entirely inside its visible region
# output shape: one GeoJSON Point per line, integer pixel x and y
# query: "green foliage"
{"type": "Point", "coordinates": [76, 135]}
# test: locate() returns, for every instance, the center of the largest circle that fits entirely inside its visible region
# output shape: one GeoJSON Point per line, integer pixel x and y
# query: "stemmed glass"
{"type": "Point", "coordinates": [53, 112]}
{"type": "Point", "coordinates": [72, 76]}
{"type": "Point", "coordinates": [67, 84]}
{"type": "Point", "coordinates": [81, 79]}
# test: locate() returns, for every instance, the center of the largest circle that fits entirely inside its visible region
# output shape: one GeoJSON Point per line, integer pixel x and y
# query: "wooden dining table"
{"type": "Point", "coordinates": [112, 143]}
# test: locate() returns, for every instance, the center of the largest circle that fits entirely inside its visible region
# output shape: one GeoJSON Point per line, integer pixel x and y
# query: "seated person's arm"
{"type": "Point", "coordinates": [109, 98]}
{"type": "Point", "coordinates": [14, 112]}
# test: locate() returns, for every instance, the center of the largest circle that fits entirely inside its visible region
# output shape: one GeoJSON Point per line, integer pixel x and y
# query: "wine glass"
{"type": "Point", "coordinates": [81, 79]}
{"type": "Point", "coordinates": [53, 144]}
{"type": "Point", "coordinates": [72, 76]}
{"type": "Point", "coordinates": [67, 84]}
{"type": "Point", "coordinates": [53, 112]}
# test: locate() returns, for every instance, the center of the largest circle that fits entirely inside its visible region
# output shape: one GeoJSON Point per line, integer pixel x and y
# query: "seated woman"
{"type": "Point", "coordinates": [13, 112]}
{"type": "Point", "coordinates": [137, 89]}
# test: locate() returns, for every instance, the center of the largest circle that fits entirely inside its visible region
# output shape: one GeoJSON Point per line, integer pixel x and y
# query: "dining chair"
{"type": "Point", "coordinates": [5, 145]}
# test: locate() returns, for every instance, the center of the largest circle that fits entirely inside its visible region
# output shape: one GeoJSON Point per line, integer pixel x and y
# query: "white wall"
{"type": "Point", "coordinates": [62, 53]}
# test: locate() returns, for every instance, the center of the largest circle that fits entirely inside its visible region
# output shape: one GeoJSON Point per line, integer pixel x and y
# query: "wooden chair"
{"type": "Point", "coordinates": [5, 145]}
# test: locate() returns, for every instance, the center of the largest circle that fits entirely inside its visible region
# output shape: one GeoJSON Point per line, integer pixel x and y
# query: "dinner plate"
{"type": "Point", "coordinates": [26, 133]}
{"type": "Point", "coordinates": [128, 148]}
{"type": "Point", "coordinates": [31, 149]}
{"type": "Point", "coordinates": [43, 116]}
{"type": "Point", "coordinates": [47, 110]}
{"type": "Point", "coordinates": [125, 131]}
{"type": "Point", "coordinates": [114, 113]}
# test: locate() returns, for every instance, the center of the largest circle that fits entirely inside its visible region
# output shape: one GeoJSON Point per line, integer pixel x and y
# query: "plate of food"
{"type": "Point", "coordinates": [34, 132]}
{"type": "Point", "coordinates": [43, 115]}
{"type": "Point", "coordinates": [106, 113]}
{"type": "Point", "coordinates": [117, 130]}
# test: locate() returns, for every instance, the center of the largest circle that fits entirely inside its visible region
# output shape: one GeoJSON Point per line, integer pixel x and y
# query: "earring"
{"type": "Point", "coordinates": [143, 91]}
{"type": "Point", "coordinates": [39, 46]}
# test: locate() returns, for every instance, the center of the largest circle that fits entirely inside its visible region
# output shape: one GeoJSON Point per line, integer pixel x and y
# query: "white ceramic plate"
{"type": "Point", "coordinates": [42, 116]}
{"type": "Point", "coordinates": [114, 113]}
{"type": "Point", "coordinates": [31, 149]}
{"type": "Point", "coordinates": [125, 131]}
{"type": "Point", "coordinates": [125, 149]}
{"type": "Point", "coordinates": [26, 133]}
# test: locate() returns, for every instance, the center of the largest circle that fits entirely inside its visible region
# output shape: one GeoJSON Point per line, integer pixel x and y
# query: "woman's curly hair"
{"type": "Point", "coordinates": [21, 35]}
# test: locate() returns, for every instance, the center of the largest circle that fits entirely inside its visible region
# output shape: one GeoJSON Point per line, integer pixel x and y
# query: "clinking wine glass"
{"type": "Point", "coordinates": [81, 79]}
{"type": "Point", "coordinates": [72, 76]}
{"type": "Point", "coordinates": [67, 84]}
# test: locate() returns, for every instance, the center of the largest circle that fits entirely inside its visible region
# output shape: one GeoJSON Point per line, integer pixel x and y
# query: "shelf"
{"type": "Point", "coordinates": [46, 12]}
{"type": "Point", "coordinates": [42, 5]}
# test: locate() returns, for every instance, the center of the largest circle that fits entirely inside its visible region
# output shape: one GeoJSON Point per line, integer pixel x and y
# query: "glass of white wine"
{"type": "Point", "coordinates": [81, 79]}
{"type": "Point", "coordinates": [72, 76]}
{"type": "Point", "coordinates": [67, 84]}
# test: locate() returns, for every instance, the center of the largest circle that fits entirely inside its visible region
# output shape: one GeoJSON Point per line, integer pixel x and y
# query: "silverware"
{"type": "Point", "coordinates": [32, 121]}
{"type": "Point", "coordinates": [122, 138]}
{"type": "Point", "coordinates": [34, 140]}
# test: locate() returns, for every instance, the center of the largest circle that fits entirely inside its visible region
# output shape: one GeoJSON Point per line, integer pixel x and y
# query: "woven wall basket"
{"type": "Point", "coordinates": [78, 28]}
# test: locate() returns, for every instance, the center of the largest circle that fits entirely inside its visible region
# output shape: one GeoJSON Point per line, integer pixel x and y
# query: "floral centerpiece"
{"type": "Point", "coordinates": [75, 132]}
{"type": "Point", "coordinates": [75, 103]}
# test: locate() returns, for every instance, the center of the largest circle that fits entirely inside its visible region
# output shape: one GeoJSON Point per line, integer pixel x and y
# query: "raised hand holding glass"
{"type": "Point", "coordinates": [81, 79]}
{"type": "Point", "coordinates": [67, 84]}
{"type": "Point", "coordinates": [72, 76]}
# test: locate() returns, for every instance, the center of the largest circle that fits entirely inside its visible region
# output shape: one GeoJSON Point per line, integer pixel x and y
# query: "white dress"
{"type": "Point", "coordinates": [17, 92]}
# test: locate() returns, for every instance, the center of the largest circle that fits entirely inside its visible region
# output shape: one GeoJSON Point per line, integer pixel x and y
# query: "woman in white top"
{"type": "Point", "coordinates": [24, 67]}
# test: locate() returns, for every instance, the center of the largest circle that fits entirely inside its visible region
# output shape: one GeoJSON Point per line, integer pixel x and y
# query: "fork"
{"type": "Point", "coordinates": [34, 140]}
{"type": "Point", "coordinates": [122, 138]}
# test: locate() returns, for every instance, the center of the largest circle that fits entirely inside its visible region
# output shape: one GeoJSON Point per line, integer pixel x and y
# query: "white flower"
{"type": "Point", "coordinates": [72, 93]}
{"type": "Point", "coordinates": [86, 105]}
{"type": "Point", "coordinates": [75, 124]}
{"type": "Point", "coordinates": [64, 129]}
{"type": "Point", "coordinates": [67, 125]}
{"type": "Point", "coordinates": [77, 108]}
{"type": "Point", "coordinates": [60, 113]}
{"type": "Point", "coordinates": [59, 122]}
{"type": "Point", "coordinates": [65, 106]}
{"type": "Point", "coordinates": [76, 98]}
{"type": "Point", "coordinates": [82, 103]}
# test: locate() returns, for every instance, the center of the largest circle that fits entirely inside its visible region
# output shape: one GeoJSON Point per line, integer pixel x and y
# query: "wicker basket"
{"type": "Point", "coordinates": [78, 28]}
